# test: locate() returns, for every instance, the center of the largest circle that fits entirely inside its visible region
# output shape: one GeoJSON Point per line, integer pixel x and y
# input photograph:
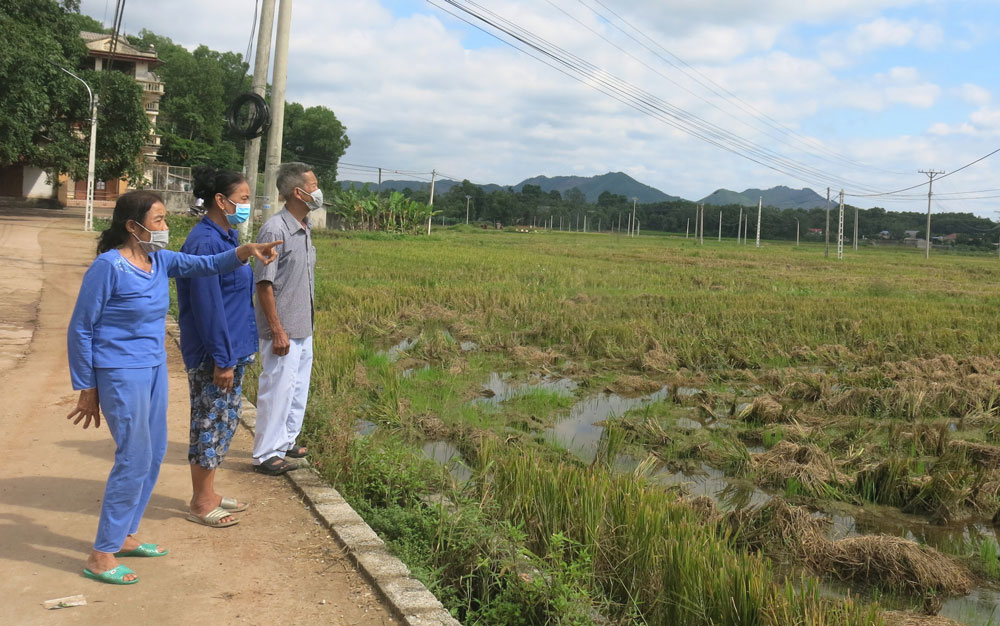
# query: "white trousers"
{"type": "Point", "coordinates": [281, 398]}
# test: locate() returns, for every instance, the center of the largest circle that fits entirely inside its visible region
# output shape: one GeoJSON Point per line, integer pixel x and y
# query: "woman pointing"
{"type": "Point", "coordinates": [117, 361]}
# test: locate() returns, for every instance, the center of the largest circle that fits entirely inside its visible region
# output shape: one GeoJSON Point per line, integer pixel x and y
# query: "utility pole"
{"type": "Point", "coordinates": [796, 232]}
{"type": "Point", "coordinates": [431, 203]}
{"type": "Point", "coordinates": [702, 229]}
{"type": "Point", "coordinates": [998, 238]}
{"type": "Point", "coordinates": [746, 227]}
{"type": "Point", "coordinates": [88, 210]}
{"type": "Point", "coordinates": [840, 227]}
{"type": "Point", "coordinates": [380, 183]}
{"type": "Point", "coordinates": [826, 231]}
{"type": "Point", "coordinates": [760, 205]}
{"type": "Point", "coordinates": [855, 227]}
{"type": "Point", "coordinates": [276, 132]}
{"type": "Point", "coordinates": [720, 225]}
{"type": "Point", "coordinates": [930, 189]}
{"type": "Point", "coordinates": [687, 229]}
{"type": "Point", "coordinates": [739, 226]}
{"type": "Point", "coordinates": [634, 202]}
{"type": "Point", "coordinates": [467, 198]}
{"type": "Point", "coordinates": [262, 59]}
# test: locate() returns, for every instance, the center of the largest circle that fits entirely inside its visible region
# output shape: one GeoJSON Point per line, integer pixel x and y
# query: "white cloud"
{"type": "Point", "coordinates": [973, 94]}
{"type": "Point", "coordinates": [844, 49]}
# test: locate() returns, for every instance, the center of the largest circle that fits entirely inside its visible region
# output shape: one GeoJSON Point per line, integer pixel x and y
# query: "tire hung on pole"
{"type": "Point", "coordinates": [257, 119]}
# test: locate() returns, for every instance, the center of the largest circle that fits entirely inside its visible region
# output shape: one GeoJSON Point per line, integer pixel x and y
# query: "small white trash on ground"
{"type": "Point", "coordinates": [65, 603]}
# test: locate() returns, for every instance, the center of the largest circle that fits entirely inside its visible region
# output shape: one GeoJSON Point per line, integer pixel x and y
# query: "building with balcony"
{"type": "Point", "coordinates": [33, 183]}
{"type": "Point", "coordinates": [139, 65]}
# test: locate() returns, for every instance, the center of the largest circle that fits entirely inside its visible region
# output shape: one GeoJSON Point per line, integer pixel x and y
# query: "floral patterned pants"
{"type": "Point", "coordinates": [214, 414]}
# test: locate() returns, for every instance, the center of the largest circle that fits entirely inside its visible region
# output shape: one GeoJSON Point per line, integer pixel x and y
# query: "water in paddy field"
{"type": "Point", "coordinates": [980, 608]}
{"type": "Point", "coordinates": [730, 494]}
{"type": "Point", "coordinates": [580, 433]}
{"type": "Point", "coordinates": [498, 389]}
{"type": "Point", "coordinates": [394, 352]}
{"type": "Point", "coordinates": [448, 455]}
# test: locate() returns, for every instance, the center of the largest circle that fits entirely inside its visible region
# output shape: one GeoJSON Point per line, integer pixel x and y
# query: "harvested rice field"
{"type": "Point", "coordinates": [556, 428]}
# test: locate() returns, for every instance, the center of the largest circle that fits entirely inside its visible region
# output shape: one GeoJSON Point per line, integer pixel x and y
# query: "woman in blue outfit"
{"type": "Point", "coordinates": [218, 340]}
{"type": "Point", "coordinates": [117, 361]}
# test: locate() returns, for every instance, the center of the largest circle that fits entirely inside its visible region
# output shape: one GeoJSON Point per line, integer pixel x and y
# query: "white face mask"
{"type": "Point", "coordinates": [158, 239]}
{"type": "Point", "coordinates": [316, 201]}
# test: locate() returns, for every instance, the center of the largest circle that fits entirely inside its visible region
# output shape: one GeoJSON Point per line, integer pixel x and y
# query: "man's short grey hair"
{"type": "Point", "coordinates": [290, 176]}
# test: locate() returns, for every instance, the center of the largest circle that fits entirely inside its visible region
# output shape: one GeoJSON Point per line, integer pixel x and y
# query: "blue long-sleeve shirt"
{"type": "Point", "coordinates": [215, 312]}
{"type": "Point", "coordinates": [118, 321]}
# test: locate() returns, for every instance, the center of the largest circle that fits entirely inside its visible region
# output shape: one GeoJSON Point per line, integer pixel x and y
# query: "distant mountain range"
{"type": "Point", "coordinates": [779, 197]}
{"type": "Point", "coordinates": [618, 183]}
{"type": "Point", "coordinates": [622, 184]}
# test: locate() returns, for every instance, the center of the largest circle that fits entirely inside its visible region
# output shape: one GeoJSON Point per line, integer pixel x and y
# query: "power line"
{"type": "Point", "coordinates": [711, 86]}
{"type": "Point", "coordinates": [955, 171]}
{"type": "Point", "coordinates": [253, 30]}
{"type": "Point", "coordinates": [632, 96]}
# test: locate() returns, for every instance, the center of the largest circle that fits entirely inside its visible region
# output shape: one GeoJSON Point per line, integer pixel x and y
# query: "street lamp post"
{"type": "Point", "coordinates": [88, 211]}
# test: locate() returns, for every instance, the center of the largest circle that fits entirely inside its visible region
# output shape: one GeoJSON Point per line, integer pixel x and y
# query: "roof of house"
{"type": "Point", "coordinates": [99, 44]}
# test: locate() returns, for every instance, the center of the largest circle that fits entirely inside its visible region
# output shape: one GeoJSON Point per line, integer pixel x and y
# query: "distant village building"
{"type": "Point", "coordinates": [884, 234]}
{"type": "Point", "coordinates": [33, 183]}
{"type": "Point", "coordinates": [815, 231]}
{"type": "Point", "coordinates": [139, 64]}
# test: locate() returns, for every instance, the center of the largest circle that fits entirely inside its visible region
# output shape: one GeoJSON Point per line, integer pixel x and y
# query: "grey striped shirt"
{"type": "Point", "coordinates": [291, 276]}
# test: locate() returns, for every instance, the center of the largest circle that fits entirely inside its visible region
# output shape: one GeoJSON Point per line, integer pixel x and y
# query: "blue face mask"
{"type": "Point", "coordinates": [241, 215]}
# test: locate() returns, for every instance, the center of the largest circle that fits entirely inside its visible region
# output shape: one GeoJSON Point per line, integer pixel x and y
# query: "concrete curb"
{"type": "Point", "coordinates": [408, 598]}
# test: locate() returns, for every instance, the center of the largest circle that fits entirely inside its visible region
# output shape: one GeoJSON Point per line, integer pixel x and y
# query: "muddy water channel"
{"type": "Point", "coordinates": [580, 432]}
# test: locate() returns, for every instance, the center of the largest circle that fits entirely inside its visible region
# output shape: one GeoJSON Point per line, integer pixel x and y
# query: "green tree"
{"type": "Point", "coordinates": [198, 87]}
{"type": "Point", "coordinates": [44, 113]}
{"type": "Point", "coordinates": [316, 136]}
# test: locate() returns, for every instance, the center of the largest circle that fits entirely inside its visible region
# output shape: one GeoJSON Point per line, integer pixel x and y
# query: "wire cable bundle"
{"type": "Point", "coordinates": [257, 119]}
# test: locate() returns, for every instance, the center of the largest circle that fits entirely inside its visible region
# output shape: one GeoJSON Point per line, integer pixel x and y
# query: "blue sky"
{"type": "Point", "coordinates": [890, 86]}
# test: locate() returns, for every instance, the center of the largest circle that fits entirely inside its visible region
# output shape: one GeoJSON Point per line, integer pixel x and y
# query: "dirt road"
{"type": "Point", "coordinates": [276, 566]}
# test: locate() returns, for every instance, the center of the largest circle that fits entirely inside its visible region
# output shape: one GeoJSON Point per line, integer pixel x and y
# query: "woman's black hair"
{"type": "Point", "coordinates": [130, 206]}
{"type": "Point", "coordinates": [208, 181]}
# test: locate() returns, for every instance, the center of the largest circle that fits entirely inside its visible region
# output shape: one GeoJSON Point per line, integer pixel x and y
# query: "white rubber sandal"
{"type": "Point", "coordinates": [213, 518]}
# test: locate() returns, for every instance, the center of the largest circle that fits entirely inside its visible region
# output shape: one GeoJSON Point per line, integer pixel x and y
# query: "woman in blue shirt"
{"type": "Point", "coordinates": [218, 340]}
{"type": "Point", "coordinates": [117, 361]}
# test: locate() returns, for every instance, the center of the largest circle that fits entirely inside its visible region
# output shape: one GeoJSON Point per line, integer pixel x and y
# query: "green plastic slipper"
{"type": "Point", "coordinates": [146, 549]}
{"type": "Point", "coordinates": [233, 505]}
{"type": "Point", "coordinates": [114, 576]}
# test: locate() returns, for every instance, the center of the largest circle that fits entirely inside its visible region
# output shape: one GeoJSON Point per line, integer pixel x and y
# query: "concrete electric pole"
{"type": "Point", "coordinates": [930, 189]}
{"type": "Point", "coordinates": [251, 158]}
{"type": "Point", "coordinates": [826, 231]}
{"type": "Point", "coordinates": [431, 203]}
{"type": "Point", "coordinates": [276, 132]}
{"type": "Point", "coordinates": [760, 205]}
{"type": "Point", "coordinates": [840, 228]}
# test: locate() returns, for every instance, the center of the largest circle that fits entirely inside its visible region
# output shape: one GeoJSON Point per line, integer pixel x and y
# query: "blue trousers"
{"type": "Point", "coordinates": [134, 404]}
